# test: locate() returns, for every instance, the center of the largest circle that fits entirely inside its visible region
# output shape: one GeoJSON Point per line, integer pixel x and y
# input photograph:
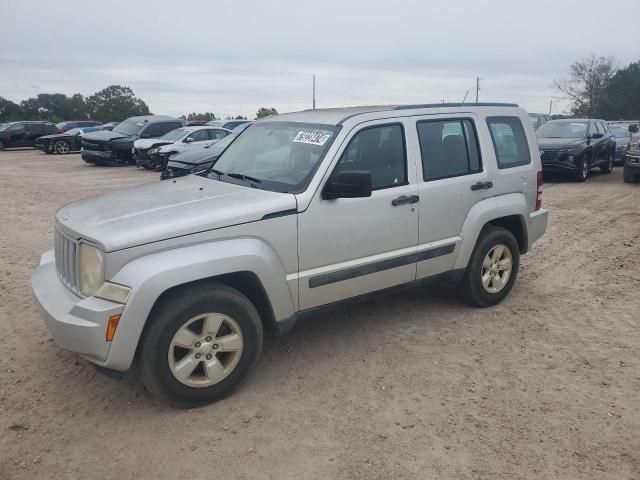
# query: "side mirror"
{"type": "Point", "coordinates": [348, 184]}
{"type": "Point", "coordinates": [633, 128]}
{"type": "Point", "coordinates": [597, 135]}
{"type": "Point", "coordinates": [188, 140]}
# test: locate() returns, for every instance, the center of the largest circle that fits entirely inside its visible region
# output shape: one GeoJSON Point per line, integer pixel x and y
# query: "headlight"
{"type": "Point", "coordinates": [153, 151]}
{"type": "Point", "coordinates": [90, 269]}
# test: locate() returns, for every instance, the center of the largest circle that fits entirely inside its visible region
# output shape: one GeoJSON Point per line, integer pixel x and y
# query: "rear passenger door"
{"type": "Point", "coordinates": [453, 178]}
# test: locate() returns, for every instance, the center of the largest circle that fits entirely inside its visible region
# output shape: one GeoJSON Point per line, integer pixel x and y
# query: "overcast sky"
{"type": "Point", "coordinates": [233, 57]}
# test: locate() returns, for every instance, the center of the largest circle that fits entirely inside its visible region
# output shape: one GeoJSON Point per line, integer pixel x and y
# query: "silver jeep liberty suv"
{"type": "Point", "coordinates": [302, 210]}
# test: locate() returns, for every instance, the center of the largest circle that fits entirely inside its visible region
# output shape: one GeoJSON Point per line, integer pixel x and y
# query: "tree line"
{"type": "Point", "coordinates": [596, 88]}
{"type": "Point", "coordinates": [114, 103]}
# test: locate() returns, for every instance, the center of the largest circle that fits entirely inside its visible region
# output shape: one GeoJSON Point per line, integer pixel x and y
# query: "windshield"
{"type": "Point", "coordinates": [563, 129]}
{"type": "Point", "coordinates": [620, 132]}
{"type": "Point", "coordinates": [128, 127]}
{"type": "Point", "coordinates": [4, 126]}
{"type": "Point", "coordinates": [278, 156]}
{"type": "Point", "coordinates": [174, 135]}
{"type": "Point", "coordinates": [73, 131]}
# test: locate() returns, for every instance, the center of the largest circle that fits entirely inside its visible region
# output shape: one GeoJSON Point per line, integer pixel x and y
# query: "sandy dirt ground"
{"type": "Point", "coordinates": [414, 385]}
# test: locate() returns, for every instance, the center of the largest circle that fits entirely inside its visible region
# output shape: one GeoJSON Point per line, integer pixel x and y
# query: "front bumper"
{"type": "Point", "coordinates": [632, 164]}
{"type": "Point", "coordinates": [45, 147]}
{"type": "Point", "coordinates": [76, 324]}
{"type": "Point", "coordinates": [559, 166]}
{"type": "Point", "coordinates": [96, 156]}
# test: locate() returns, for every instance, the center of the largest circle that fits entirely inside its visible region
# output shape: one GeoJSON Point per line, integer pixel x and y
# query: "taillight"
{"type": "Point", "coordinates": [539, 182]}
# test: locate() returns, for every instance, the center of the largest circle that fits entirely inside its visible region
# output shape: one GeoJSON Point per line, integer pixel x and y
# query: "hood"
{"type": "Point", "coordinates": [103, 136]}
{"type": "Point", "coordinates": [146, 143]}
{"type": "Point", "coordinates": [54, 136]}
{"type": "Point", "coordinates": [163, 210]}
{"type": "Point", "coordinates": [180, 161]}
{"type": "Point", "coordinates": [561, 143]}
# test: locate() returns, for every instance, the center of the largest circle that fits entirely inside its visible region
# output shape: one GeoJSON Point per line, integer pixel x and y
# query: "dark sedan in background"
{"type": "Point", "coordinates": [575, 146]}
{"type": "Point", "coordinates": [196, 161]}
{"type": "Point", "coordinates": [62, 143]}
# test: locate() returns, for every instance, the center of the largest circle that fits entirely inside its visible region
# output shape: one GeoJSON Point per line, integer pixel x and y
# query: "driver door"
{"type": "Point", "coordinates": [352, 246]}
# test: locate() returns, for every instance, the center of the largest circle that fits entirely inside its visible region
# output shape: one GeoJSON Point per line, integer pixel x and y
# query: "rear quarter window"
{"type": "Point", "coordinates": [509, 141]}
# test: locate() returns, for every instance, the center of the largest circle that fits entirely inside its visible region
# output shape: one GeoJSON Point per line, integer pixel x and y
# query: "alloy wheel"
{"type": "Point", "coordinates": [585, 169]}
{"type": "Point", "coordinates": [496, 268]}
{"type": "Point", "coordinates": [62, 147]}
{"type": "Point", "coordinates": [205, 350]}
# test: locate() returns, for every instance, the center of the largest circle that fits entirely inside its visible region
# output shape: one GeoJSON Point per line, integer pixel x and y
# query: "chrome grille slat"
{"type": "Point", "coordinates": [66, 257]}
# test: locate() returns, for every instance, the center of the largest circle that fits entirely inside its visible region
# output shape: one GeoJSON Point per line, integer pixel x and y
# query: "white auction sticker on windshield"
{"type": "Point", "coordinates": [312, 138]}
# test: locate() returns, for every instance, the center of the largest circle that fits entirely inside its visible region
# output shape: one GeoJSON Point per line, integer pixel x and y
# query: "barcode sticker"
{"type": "Point", "coordinates": [312, 138]}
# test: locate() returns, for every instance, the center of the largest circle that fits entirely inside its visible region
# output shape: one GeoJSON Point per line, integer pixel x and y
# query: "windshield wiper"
{"type": "Point", "coordinates": [247, 178]}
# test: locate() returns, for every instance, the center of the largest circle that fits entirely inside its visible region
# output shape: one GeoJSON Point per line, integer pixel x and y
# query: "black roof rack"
{"type": "Point", "coordinates": [441, 105]}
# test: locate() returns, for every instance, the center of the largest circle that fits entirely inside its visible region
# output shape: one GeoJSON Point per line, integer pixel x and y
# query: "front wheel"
{"type": "Point", "coordinates": [61, 147]}
{"type": "Point", "coordinates": [608, 168]}
{"type": "Point", "coordinates": [492, 269]}
{"type": "Point", "coordinates": [583, 170]}
{"type": "Point", "coordinates": [200, 345]}
{"type": "Point", "coordinates": [629, 177]}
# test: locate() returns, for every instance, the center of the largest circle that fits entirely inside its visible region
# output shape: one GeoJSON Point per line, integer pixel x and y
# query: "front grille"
{"type": "Point", "coordinates": [550, 155]}
{"type": "Point", "coordinates": [66, 250]}
{"type": "Point", "coordinates": [142, 154]}
{"type": "Point", "coordinates": [87, 145]}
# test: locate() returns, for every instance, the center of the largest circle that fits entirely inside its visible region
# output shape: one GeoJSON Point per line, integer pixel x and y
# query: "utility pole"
{"type": "Point", "coordinates": [477, 88]}
{"type": "Point", "coordinates": [314, 92]}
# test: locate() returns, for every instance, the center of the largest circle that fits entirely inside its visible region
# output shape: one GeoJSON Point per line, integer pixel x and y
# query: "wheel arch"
{"type": "Point", "coordinates": [246, 264]}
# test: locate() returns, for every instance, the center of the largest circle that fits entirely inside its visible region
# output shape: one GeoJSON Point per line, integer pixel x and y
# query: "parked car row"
{"type": "Point", "coordinates": [26, 133]}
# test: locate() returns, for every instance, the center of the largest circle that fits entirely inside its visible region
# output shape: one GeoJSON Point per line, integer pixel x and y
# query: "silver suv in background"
{"type": "Point", "coordinates": [301, 211]}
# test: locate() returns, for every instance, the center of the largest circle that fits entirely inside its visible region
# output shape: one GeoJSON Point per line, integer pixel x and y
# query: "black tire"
{"type": "Point", "coordinates": [608, 168]}
{"type": "Point", "coordinates": [583, 170]}
{"type": "Point", "coordinates": [473, 290]}
{"type": "Point", "coordinates": [172, 312]}
{"type": "Point", "coordinates": [629, 177]}
{"type": "Point", "coordinates": [61, 147]}
{"type": "Point", "coordinates": [2, 147]}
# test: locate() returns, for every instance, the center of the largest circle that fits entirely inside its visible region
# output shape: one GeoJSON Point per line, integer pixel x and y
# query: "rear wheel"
{"type": "Point", "coordinates": [62, 147]}
{"type": "Point", "coordinates": [608, 168]}
{"type": "Point", "coordinates": [493, 267]}
{"type": "Point", "coordinates": [200, 345]}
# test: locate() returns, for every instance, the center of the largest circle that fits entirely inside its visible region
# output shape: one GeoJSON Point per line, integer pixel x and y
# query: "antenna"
{"type": "Point", "coordinates": [477, 88]}
{"type": "Point", "coordinates": [314, 92]}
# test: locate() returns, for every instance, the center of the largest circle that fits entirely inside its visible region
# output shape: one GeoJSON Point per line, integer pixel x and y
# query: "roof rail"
{"type": "Point", "coordinates": [441, 105]}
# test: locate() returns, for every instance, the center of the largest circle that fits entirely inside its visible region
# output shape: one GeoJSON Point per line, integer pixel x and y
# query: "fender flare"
{"type": "Point", "coordinates": [483, 212]}
{"type": "Point", "coordinates": [152, 275]}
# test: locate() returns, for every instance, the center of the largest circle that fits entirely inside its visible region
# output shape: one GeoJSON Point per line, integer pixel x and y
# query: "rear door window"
{"type": "Point", "coordinates": [449, 148]}
{"type": "Point", "coordinates": [509, 141]}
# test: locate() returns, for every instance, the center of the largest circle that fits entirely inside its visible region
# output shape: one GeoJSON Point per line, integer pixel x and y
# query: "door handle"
{"type": "Point", "coordinates": [404, 199]}
{"type": "Point", "coordinates": [482, 186]}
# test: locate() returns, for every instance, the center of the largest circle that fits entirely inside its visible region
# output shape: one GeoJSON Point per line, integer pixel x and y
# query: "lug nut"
{"type": "Point", "coordinates": [197, 345]}
{"type": "Point", "coordinates": [198, 355]}
{"type": "Point", "coordinates": [209, 357]}
{"type": "Point", "coordinates": [215, 346]}
{"type": "Point", "coordinates": [208, 339]}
